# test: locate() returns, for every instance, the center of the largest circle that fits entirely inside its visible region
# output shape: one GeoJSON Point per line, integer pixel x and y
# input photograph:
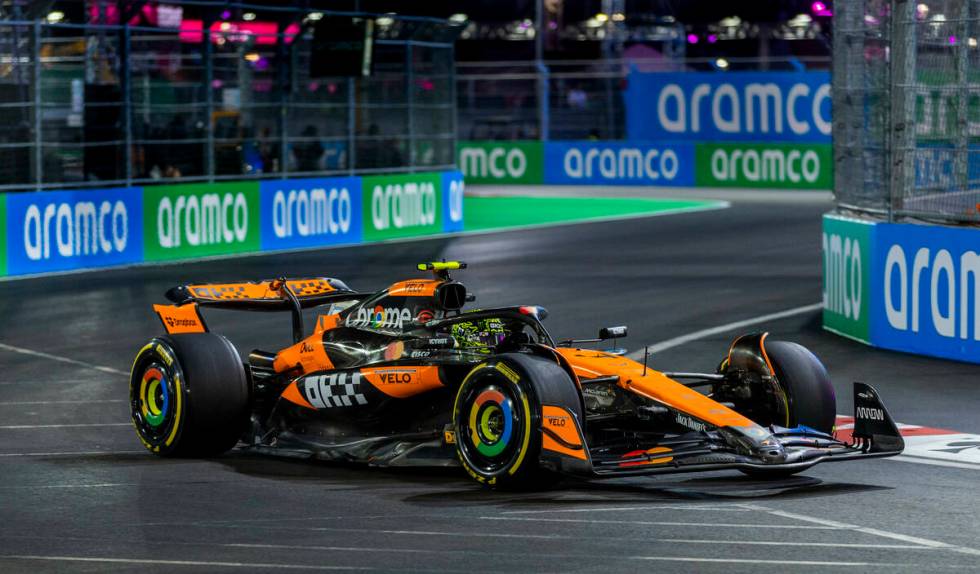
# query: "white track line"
{"type": "Point", "coordinates": [720, 329]}
{"type": "Point", "coordinates": [761, 561]}
{"type": "Point", "coordinates": [934, 462]}
{"type": "Point", "coordinates": [19, 403]}
{"type": "Point", "coordinates": [77, 453]}
{"type": "Point", "coordinates": [796, 543]}
{"type": "Point", "coordinates": [663, 523]}
{"type": "Point", "coordinates": [863, 529]}
{"type": "Point", "coordinates": [66, 360]}
{"type": "Point", "coordinates": [142, 561]}
{"type": "Point", "coordinates": [685, 508]}
{"type": "Point", "coordinates": [65, 426]}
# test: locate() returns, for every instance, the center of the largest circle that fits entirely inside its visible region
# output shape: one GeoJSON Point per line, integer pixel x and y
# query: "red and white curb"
{"type": "Point", "coordinates": [927, 445]}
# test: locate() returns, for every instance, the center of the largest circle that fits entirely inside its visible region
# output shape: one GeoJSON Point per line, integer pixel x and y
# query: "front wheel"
{"type": "Point", "coordinates": [189, 395]}
{"type": "Point", "coordinates": [497, 419]}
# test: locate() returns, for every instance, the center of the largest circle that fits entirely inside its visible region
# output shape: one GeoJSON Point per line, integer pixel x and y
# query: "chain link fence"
{"type": "Point", "coordinates": [907, 108]}
{"type": "Point", "coordinates": [582, 99]}
{"type": "Point", "coordinates": [102, 105]}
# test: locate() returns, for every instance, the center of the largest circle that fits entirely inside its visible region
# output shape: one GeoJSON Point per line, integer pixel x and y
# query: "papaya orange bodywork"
{"type": "Point", "coordinates": [653, 385]}
{"type": "Point", "coordinates": [403, 381]}
{"type": "Point", "coordinates": [561, 433]}
{"type": "Point", "coordinates": [181, 319]}
{"type": "Point", "coordinates": [414, 288]}
{"type": "Point", "coordinates": [308, 356]}
{"type": "Point", "coordinates": [258, 290]}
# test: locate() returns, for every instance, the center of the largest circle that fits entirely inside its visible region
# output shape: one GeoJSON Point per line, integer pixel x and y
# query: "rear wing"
{"type": "Point", "coordinates": [266, 295]}
{"type": "Point", "coordinates": [282, 294]}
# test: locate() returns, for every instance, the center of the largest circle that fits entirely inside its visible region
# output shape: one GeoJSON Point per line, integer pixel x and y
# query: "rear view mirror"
{"type": "Point", "coordinates": [612, 332]}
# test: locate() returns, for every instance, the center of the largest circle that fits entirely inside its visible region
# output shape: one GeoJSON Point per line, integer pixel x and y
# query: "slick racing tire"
{"type": "Point", "coordinates": [497, 419]}
{"type": "Point", "coordinates": [812, 401]}
{"type": "Point", "coordinates": [809, 392]}
{"type": "Point", "coordinates": [189, 395]}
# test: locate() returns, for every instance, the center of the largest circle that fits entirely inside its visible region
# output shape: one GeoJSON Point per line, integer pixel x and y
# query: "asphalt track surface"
{"type": "Point", "coordinates": [78, 493]}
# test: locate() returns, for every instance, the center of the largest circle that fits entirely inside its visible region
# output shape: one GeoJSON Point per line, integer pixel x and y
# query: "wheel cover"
{"type": "Point", "coordinates": [155, 405]}
{"type": "Point", "coordinates": [494, 423]}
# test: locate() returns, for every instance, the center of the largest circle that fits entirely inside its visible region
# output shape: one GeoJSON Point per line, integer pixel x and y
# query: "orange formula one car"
{"type": "Point", "coordinates": [404, 376]}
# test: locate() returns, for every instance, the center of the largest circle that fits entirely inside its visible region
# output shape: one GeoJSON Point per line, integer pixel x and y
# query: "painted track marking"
{"type": "Point", "coordinates": [78, 453]}
{"type": "Point", "coordinates": [66, 360]}
{"type": "Point", "coordinates": [866, 530]}
{"type": "Point", "coordinates": [663, 523]}
{"type": "Point", "coordinates": [720, 329]}
{"type": "Point", "coordinates": [24, 403]}
{"type": "Point", "coordinates": [144, 561]}
{"type": "Point", "coordinates": [64, 426]}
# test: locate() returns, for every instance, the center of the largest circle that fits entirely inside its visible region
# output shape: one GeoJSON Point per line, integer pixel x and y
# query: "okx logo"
{"type": "Point", "coordinates": [846, 276]}
{"type": "Point", "coordinates": [402, 205]}
{"type": "Point", "coordinates": [310, 212]}
{"type": "Point", "coordinates": [182, 221]}
{"type": "Point", "coordinates": [55, 231]}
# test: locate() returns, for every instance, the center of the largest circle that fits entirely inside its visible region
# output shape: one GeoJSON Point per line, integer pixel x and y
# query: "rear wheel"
{"type": "Point", "coordinates": [497, 417]}
{"type": "Point", "coordinates": [189, 395]}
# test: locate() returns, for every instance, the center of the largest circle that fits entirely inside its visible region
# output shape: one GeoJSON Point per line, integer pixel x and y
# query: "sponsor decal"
{"type": "Point", "coordinates": [453, 189]}
{"type": "Point", "coordinates": [847, 258]}
{"type": "Point", "coordinates": [425, 315]}
{"type": "Point", "coordinates": [379, 317]}
{"type": "Point", "coordinates": [335, 390]}
{"type": "Point", "coordinates": [501, 161]}
{"type": "Point", "coordinates": [401, 205]}
{"type": "Point", "coordinates": [927, 287]}
{"type": "Point", "coordinates": [869, 413]}
{"type": "Point", "coordinates": [689, 422]}
{"type": "Point", "coordinates": [310, 212]}
{"type": "Point", "coordinates": [619, 163]}
{"type": "Point", "coordinates": [796, 166]}
{"type": "Point", "coordinates": [184, 221]}
{"type": "Point", "coordinates": [420, 354]}
{"type": "Point", "coordinates": [740, 106]}
{"type": "Point", "coordinates": [556, 421]}
{"type": "Point", "coordinates": [59, 230]}
{"type": "Point", "coordinates": [507, 372]}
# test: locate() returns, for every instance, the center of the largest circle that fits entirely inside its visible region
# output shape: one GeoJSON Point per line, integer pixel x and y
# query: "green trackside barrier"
{"type": "Point", "coordinates": [3, 234]}
{"type": "Point", "coordinates": [847, 302]}
{"type": "Point", "coordinates": [501, 161]}
{"type": "Point", "coordinates": [197, 220]}
{"type": "Point", "coordinates": [402, 205]}
{"type": "Point", "coordinates": [775, 165]}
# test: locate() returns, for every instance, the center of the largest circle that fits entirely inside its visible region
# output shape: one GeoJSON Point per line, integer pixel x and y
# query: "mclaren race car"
{"type": "Point", "coordinates": [405, 376]}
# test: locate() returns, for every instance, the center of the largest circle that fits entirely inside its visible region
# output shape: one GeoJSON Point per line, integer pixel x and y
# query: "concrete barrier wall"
{"type": "Point", "coordinates": [904, 287]}
{"type": "Point", "coordinates": [64, 230]}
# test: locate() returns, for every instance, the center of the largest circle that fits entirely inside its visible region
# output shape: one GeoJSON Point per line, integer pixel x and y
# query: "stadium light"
{"type": "Point", "coordinates": [314, 16]}
{"type": "Point", "coordinates": [385, 21]}
{"type": "Point", "coordinates": [248, 16]}
{"type": "Point", "coordinates": [721, 63]}
{"type": "Point", "coordinates": [458, 18]}
{"type": "Point", "coordinates": [55, 16]}
{"type": "Point", "coordinates": [692, 38]}
{"type": "Point", "coordinates": [252, 57]}
{"type": "Point", "coordinates": [602, 17]}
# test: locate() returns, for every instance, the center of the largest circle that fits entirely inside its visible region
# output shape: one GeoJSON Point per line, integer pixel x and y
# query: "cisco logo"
{"type": "Point", "coordinates": [309, 213]}
{"type": "Point", "coordinates": [842, 276]}
{"type": "Point", "coordinates": [620, 163]}
{"type": "Point", "coordinates": [403, 205]}
{"type": "Point", "coordinates": [76, 229]}
{"type": "Point", "coordinates": [498, 162]}
{"type": "Point", "coordinates": [944, 277]}
{"type": "Point", "coordinates": [205, 220]}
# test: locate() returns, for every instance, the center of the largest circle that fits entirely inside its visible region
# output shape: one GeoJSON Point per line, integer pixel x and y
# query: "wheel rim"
{"type": "Point", "coordinates": [493, 420]}
{"type": "Point", "coordinates": [153, 403]}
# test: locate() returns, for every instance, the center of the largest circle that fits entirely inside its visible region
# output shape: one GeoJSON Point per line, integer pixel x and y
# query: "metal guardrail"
{"type": "Point", "coordinates": [101, 105]}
